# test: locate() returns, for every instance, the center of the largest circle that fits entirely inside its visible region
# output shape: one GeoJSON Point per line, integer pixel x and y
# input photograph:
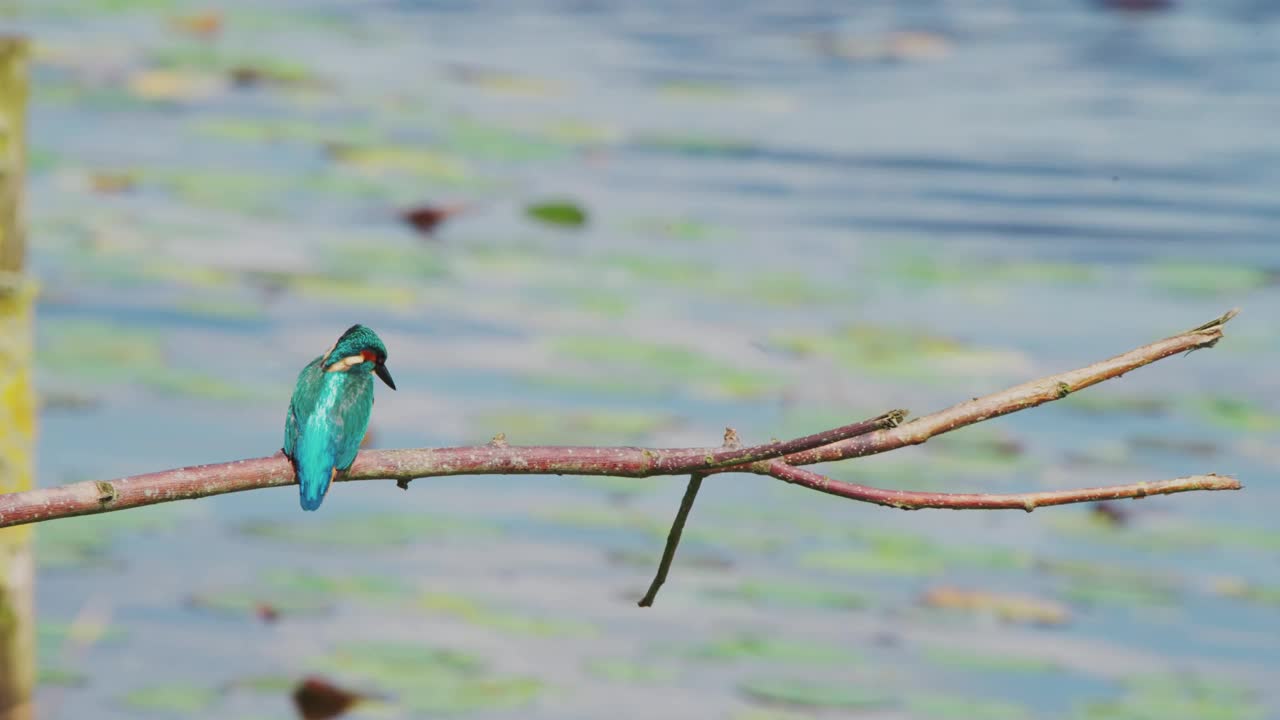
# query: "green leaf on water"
{"type": "Point", "coordinates": [787, 594]}
{"type": "Point", "coordinates": [1236, 414]}
{"type": "Point", "coordinates": [985, 662]}
{"type": "Point", "coordinates": [359, 532]}
{"type": "Point", "coordinates": [53, 676]}
{"type": "Point", "coordinates": [1098, 583]}
{"type": "Point", "coordinates": [752, 646]}
{"type": "Point", "coordinates": [950, 707]}
{"type": "Point", "coordinates": [625, 356]}
{"type": "Point", "coordinates": [476, 613]}
{"type": "Point", "coordinates": [809, 694]}
{"type": "Point", "coordinates": [1173, 696]}
{"type": "Point", "coordinates": [579, 427]}
{"type": "Point", "coordinates": [890, 552]}
{"type": "Point", "coordinates": [175, 698]}
{"type": "Point", "coordinates": [630, 671]}
{"type": "Point", "coordinates": [429, 680]}
{"type": "Point", "coordinates": [1206, 279]}
{"type": "Point", "coordinates": [903, 353]}
{"type": "Point", "coordinates": [561, 213]}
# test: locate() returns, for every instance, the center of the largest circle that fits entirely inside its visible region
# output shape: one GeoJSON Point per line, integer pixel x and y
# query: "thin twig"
{"type": "Point", "coordinates": [916, 500]}
{"type": "Point", "coordinates": [1021, 397]}
{"type": "Point", "coordinates": [673, 538]}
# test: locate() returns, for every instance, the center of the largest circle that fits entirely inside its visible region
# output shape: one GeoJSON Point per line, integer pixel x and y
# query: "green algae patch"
{"type": "Point", "coordinates": [954, 707]}
{"type": "Point", "coordinates": [289, 592]}
{"type": "Point", "coordinates": [1235, 414]}
{"type": "Point", "coordinates": [360, 532]}
{"type": "Point", "coordinates": [633, 672]}
{"type": "Point", "coordinates": [669, 363]}
{"type": "Point", "coordinates": [902, 353]}
{"type": "Point", "coordinates": [177, 698]}
{"type": "Point", "coordinates": [1206, 279]}
{"type": "Point", "coordinates": [977, 661]}
{"type": "Point", "coordinates": [576, 427]}
{"type": "Point", "coordinates": [787, 594]}
{"type": "Point", "coordinates": [475, 612]}
{"type": "Point", "coordinates": [89, 542]}
{"type": "Point", "coordinates": [1106, 584]}
{"type": "Point", "coordinates": [890, 552]}
{"type": "Point", "coordinates": [755, 647]}
{"type": "Point", "coordinates": [815, 695]}
{"type": "Point", "coordinates": [428, 680]}
{"type": "Point", "coordinates": [1172, 696]}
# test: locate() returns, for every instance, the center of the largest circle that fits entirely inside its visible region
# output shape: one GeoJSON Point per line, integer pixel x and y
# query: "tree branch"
{"type": "Point", "coordinates": [1021, 397]}
{"type": "Point", "coordinates": [916, 500]}
{"type": "Point", "coordinates": [776, 459]}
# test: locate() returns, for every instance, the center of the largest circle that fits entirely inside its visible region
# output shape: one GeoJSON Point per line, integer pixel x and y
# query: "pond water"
{"type": "Point", "coordinates": [797, 215]}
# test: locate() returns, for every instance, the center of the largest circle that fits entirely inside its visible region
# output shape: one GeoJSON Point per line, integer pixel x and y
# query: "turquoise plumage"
{"type": "Point", "coordinates": [329, 411]}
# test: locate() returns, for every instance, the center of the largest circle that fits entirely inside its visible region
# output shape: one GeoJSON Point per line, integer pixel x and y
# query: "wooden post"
{"type": "Point", "coordinates": [17, 405]}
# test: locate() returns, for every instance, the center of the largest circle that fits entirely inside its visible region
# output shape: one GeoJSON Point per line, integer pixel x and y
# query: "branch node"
{"type": "Point", "coordinates": [1063, 390]}
{"type": "Point", "coordinates": [106, 492]}
{"type": "Point", "coordinates": [893, 418]}
{"type": "Point", "coordinates": [499, 440]}
{"type": "Point", "coordinates": [403, 483]}
{"type": "Point", "coordinates": [731, 439]}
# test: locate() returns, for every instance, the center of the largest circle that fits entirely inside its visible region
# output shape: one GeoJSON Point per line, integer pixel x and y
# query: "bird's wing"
{"type": "Point", "coordinates": [354, 407]}
{"type": "Point", "coordinates": [305, 394]}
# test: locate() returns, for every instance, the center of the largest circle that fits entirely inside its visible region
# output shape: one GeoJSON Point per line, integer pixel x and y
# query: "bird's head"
{"type": "Point", "coordinates": [359, 350]}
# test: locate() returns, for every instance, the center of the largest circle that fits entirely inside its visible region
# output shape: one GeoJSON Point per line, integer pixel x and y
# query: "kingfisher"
{"type": "Point", "coordinates": [330, 408]}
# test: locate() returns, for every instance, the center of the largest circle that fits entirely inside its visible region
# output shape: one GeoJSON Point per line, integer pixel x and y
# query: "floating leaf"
{"type": "Point", "coordinates": [432, 681]}
{"type": "Point", "coordinates": [560, 213]}
{"type": "Point", "coordinates": [789, 594]}
{"type": "Point", "coordinates": [1206, 279]}
{"type": "Point", "coordinates": [473, 612]}
{"type": "Point", "coordinates": [807, 694]}
{"type": "Point", "coordinates": [578, 427]}
{"type": "Point", "coordinates": [426, 218]}
{"type": "Point", "coordinates": [420, 162]}
{"type": "Point", "coordinates": [318, 699]}
{"type": "Point", "coordinates": [361, 532]}
{"type": "Point", "coordinates": [1237, 414]}
{"type": "Point", "coordinates": [1172, 696]}
{"type": "Point", "coordinates": [1009, 607]}
{"type": "Point", "coordinates": [1240, 589]}
{"type": "Point", "coordinates": [631, 671]}
{"type": "Point", "coordinates": [903, 353]}
{"type": "Point", "coordinates": [947, 707]}
{"type": "Point", "coordinates": [675, 363]}
{"type": "Point", "coordinates": [176, 698]}
{"type": "Point", "coordinates": [967, 659]}
{"type": "Point", "coordinates": [1097, 583]}
{"type": "Point", "coordinates": [751, 646]}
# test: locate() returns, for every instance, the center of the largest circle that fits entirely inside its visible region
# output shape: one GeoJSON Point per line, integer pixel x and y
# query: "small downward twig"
{"type": "Point", "coordinates": [673, 538]}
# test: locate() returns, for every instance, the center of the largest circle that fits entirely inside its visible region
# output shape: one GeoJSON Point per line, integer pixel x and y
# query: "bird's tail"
{"type": "Point", "coordinates": [313, 482]}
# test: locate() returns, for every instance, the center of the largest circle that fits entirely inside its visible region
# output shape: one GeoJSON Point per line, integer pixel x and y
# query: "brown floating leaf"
{"type": "Point", "coordinates": [1111, 513]}
{"type": "Point", "coordinates": [1006, 606]}
{"type": "Point", "coordinates": [318, 699]}
{"type": "Point", "coordinates": [205, 24]}
{"type": "Point", "coordinates": [107, 181]}
{"type": "Point", "coordinates": [425, 218]}
{"type": "Point", "coordinates": [266, 612]}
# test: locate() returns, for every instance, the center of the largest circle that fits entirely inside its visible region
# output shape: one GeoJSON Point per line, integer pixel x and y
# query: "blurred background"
{"type": "Point", "coordinates": [601, 222]}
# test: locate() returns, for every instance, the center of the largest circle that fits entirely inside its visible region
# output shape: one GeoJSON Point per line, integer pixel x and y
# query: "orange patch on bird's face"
{"type": "Point", "coordinates": [350, 361]}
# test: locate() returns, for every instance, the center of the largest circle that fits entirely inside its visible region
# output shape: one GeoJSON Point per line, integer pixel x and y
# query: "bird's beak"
{"type": "Point", "coordinates": [385, 374]}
